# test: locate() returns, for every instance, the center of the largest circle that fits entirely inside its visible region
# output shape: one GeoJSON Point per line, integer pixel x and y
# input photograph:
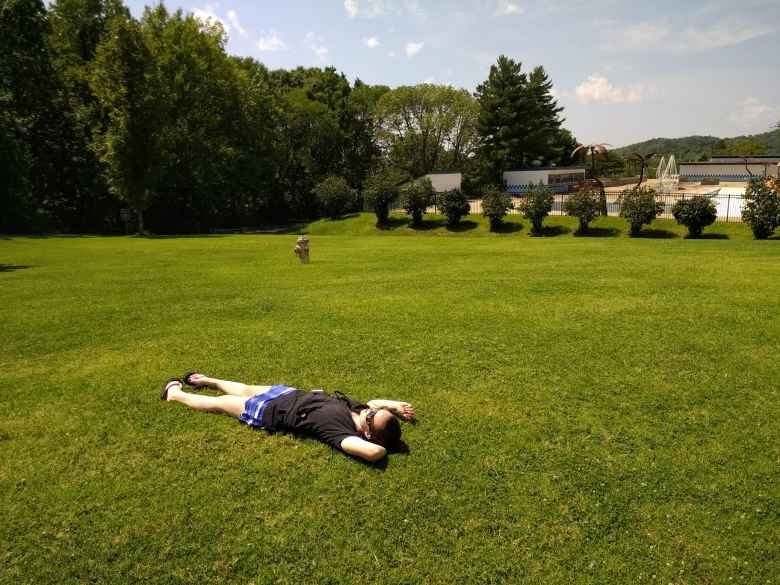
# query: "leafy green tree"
{"type": "Point", "coordinates": [518, 120]}
{"type": "Point", "coordinates": [362, 151]}
{"type": "Point", "coordinates": [425, 127]}
{"type": "Point", "coordinates": [454, 205]}
{"type": "Point", "coordinates": [253, 183]}
{"type": "Point", "coordinates": [639, 207]}
{"type": "Point", "coordinates": [122, 83]}
{"type": "Point", "coordinates": [496, 202]}
{"type": "Point", "coordinates": [536, 205]}
{"type": "Point", "coordinates": [31, 121]}
{"type": "Point", "coordinates": [16, 207]}
{"type": "Point", "coordinates": [585, 205]}
{"type": "Point", "coordinates": [695, 213]}
{"type": "Point", "coordinates": [77, 26]}
{"type": "Point", "coordinates": [200, 120]}
{"type": "Point", "coordinates": [762, 207]}
{"type": "Point", "coordinates": [381, 190]}
{"type": "Point", "coordinates": [335, 195]}
{"type": "Point", "coordinates": [746, 147]}
{"type": "Point", "coordinates": [416, 196]}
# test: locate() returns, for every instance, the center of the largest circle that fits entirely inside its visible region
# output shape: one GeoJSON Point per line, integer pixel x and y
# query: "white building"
{"type": "Point", "coordinates": [559, 179]}
{"type": "Point", "coordinates": [445, 181]}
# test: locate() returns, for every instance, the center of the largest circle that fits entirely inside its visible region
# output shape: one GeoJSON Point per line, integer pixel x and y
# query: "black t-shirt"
{"type": "Point", "coordinates": [315, 414]}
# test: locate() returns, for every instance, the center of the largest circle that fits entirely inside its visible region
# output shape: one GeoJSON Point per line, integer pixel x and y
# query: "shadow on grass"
{"type": "Point", "coordinates": [599, 232]}
{"type": "Point", "coordinates": [709, 237]}
{"type": "Point", "coordinates": [183, 236]}
{"type": "Point", "coordinates": [463, 226]}
{"type": "Point", "coordinates": [429, 224]}
{"type": "Point", "coordinates": [343, 217]}
{"type": "Point", "coordinates": [551, 231]}
{"type": "Point", "coordinates": [394, 223]}
{"type": "Point", "coordinates": [293, 228]}
{"type": "Point", "coordinates": [13, 267]}
{"type": "Point", "coordinates": [656, 234]}
{"type": "Point", "coordinates": [508, 227]}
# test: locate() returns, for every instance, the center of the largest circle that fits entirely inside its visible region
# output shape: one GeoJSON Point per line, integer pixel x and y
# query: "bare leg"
{"type": "Point", "coordinates": [232, 388]}
{"type": "Point", "coordinates": [232, 405]}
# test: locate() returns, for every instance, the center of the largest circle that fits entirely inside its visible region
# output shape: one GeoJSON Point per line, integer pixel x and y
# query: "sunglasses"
{"type": "Point", "coordinates": [370, 420]}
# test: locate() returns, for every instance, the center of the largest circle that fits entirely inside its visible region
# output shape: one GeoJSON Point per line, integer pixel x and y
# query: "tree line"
{"type": "Point", "coordinates": [101, 111]}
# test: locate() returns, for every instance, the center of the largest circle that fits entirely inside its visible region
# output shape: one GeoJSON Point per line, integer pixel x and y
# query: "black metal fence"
{"type": "Point", "coordinates": [729, 205]}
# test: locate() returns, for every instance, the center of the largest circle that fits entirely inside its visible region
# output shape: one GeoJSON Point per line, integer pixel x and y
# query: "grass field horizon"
{"type": "Point", "coordinates": [591, 409]}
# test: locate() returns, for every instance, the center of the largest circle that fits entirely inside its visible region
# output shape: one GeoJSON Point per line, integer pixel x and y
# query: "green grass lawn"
{"type": "Point", "coordinates": [591, 409]}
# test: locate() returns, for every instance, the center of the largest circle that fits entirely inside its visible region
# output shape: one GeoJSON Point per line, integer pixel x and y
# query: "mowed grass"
{"type": "Point", "coordinates": [591, 410]}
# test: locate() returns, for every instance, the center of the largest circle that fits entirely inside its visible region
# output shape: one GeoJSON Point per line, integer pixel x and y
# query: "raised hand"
{"type": "Point", "coordinates": [405, 411]}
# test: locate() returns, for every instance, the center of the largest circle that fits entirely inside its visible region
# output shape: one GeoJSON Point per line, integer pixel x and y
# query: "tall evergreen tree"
{"type": "Point", "coordinates": [518, 120]}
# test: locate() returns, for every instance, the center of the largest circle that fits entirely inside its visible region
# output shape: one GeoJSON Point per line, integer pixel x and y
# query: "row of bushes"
{"type": "Point", "coordinates": [638, 206]}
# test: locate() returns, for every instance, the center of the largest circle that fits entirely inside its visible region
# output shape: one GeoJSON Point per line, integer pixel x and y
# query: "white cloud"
{"type": "Point", "coordinates": [414, 8]}
{"type": "Point", "coordinates": [644, 35]}
{"type": "Point", "coordinates": [666, 36]}
{"type": "Point", "coordinates": [352, 8]}
{"type": "Point", "coordinates": [233, 18]}
{"type": "Point", "coordinates": [365, 8]}
{"type": "Point", "coordinates": [723, 34]}
{"type": "Point", "coordinates": [391, 53]}
{"type": "Point", "coordinates": [314, 42]}
{"type": "Point", "coordinates": [371, 42]}
{"type": "Point", "coordinates": [598, 89]}
{"type": "Point", "coordinates": [271, 42]}
{"type": "Point", "coordinates": [412, 49]}
{"type": "Point", "coordinates": [752, 112]}
{"type": "Point", "coordinates": [208, 17]}
{"type": "Point", "coordinates": [507, 8]}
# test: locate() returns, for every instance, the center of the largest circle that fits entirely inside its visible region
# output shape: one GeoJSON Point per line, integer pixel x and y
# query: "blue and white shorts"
{"type": "Point", "coordinates": [254, 406]}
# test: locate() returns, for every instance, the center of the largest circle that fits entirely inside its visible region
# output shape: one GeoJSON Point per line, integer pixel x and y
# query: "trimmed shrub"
{"type": "Point", "coordinates": [335, 196]}
{"type": "Point", "coordinates": [416, 197]}
{"type": "Point", "coordinates": [585, 205]}
{"type": "Point", "coordinates": [695, 213]}
{"type": "Point", "coordinates": [380, 191]}
{"type": "Point", "coordinates": [639, 207]}
{"type": "Point", "coordinates": [536, 205]}
{"type": "Point", "coordinates": [762, 208]}
{"type": "Point", "coordinates": [454, 204]}
{"type": "Point", "coordinates": [495, 204]}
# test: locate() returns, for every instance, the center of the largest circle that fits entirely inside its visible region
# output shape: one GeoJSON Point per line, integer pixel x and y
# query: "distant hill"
{"type": "Point", "coordinates": [694, 148]}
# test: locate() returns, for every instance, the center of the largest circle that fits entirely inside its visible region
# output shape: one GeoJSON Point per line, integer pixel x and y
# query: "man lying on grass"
{"type": "Point", "coordinates": [367, 431]}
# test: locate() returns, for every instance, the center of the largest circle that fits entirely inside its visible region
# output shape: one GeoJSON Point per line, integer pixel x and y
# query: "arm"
{"type": "Point", "coordinates": [358, 447]}
{"type": "Point", "coordinates": [400, 409]}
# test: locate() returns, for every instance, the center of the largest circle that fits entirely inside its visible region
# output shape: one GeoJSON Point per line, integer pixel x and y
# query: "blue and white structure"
{"type": "Point", "coordinates": [731, 168]}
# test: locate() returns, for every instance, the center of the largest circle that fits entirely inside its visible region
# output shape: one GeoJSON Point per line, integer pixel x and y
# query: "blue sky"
{"type": "Point", "coordinates": [625, 71]}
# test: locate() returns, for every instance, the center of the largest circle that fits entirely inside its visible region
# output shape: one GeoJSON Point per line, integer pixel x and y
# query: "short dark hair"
{"type": "Point", "coordinates": [389, 434]}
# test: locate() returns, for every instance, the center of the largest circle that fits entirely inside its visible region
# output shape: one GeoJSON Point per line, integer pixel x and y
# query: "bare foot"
{"type": "Point", "coordinates": [197, 380]}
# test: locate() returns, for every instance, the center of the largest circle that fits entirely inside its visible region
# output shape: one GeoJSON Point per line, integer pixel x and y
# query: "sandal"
{"type": "Point", "coordinates": [168, 384]}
